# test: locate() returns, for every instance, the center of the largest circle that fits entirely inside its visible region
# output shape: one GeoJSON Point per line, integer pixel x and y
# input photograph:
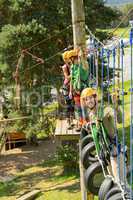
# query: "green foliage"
{"type": "Point", "coordinates": [38, 125]}
{"type": "Point", "coordinates": [103, 35]}
{"type": "Point", "coordinates": [126, 9]}
{"type": "Point", "coordinates": [32, 21]}
{"type": "Point", "coordinates": [98, 15]}
{"type": "Point", "coordinates": [41, 128]}
{"type": "Point", "coordinates": [68, 156]}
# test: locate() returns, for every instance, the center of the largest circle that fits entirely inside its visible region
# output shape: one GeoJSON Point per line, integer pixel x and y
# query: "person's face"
{"type": "Point", "coordinates": [74, 60]}
{"type": "Point", "coordinates": [68, 61]}
{"type": "Point", "coordinates": [90, 102]}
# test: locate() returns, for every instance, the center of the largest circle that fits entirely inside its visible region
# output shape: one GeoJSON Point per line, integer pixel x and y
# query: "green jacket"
{"type": "Point", "coordinates": [79, 77]}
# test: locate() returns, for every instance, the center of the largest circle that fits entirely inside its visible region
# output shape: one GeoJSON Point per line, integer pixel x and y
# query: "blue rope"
{"type": "Point", "coordinates": [96, 63]}
{"type": "Point", "coordinates": [108, 62]}
{"type": "Point", "coordinates": [90, 71]}
{"type": "Point", "coordinates": [123, 115]}
{"type": "Point", "coordinates": [131, 112]}
{"type": "Point", "coordinates": [102, 89]}
{"type": "Point", "coordinates": [115, 117]}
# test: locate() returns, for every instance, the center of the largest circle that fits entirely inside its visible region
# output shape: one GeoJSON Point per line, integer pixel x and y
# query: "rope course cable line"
{"type": "Point", "coordinates": [115, 120]}
{"type": "Point", "coordinates": [69, 26]}
{"type": "Point", "coordinates": [116, 44]}
{"type": "Point", "coordinates": [123, 112]}
{"type": "Point", "coordinates": [122, 177]}
{"type": "Point", "coordinates": [131, 111]}
{"type": "Point", "coordinates": [47, 59]}
{"type": "Point", "coordinates": [49, 38]}
{"type": "Point", "coordinates": [38, 43]}
{"type": "Point", "coordinates": [122, 20]}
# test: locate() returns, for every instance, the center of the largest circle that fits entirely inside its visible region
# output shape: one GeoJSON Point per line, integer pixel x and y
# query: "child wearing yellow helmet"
{"type": "Point", "coordinates": [79, 81]}
{"type": "Point", "coordinates": [66, 88]}
{"type": "Point", "coordinates": [91, 109]}
{"type": "Point", "coordinates": [66, 67]}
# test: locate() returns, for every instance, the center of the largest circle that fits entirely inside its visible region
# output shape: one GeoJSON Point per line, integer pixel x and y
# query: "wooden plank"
{"type": "Point", "coordinates": [14, 119]}
{"type": "Point", "coordinates": [16, 141]}
{"type": "Point", "coordinates": [62, 128]}
{"type": "Point", "coordinates": [68, 137]}
{"type": "Point", "coordinates": [29, 195]}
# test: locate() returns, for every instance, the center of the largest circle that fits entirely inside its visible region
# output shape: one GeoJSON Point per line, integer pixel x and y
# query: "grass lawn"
{"type": "Point", "coordinates": [49, 179]}
{"type": "Point", "coordinates": [125, 32]}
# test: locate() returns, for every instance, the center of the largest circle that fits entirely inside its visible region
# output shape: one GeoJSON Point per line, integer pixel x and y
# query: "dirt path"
{"type": "Point", "coordinates": [18, 159]}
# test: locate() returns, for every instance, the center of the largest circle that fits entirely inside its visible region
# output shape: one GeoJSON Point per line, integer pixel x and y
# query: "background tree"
{"type": "Point", "coordinates": [25, 23]}
{"type": "Point", "coordinates": [125, 9]}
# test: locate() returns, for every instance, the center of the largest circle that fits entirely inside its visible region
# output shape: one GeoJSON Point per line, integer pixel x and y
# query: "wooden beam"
{"type": "Point", "coordinates": [30, 195]}
{"type": "Point", "coordinates": [82, 184]}
{"type": "Point", "coordinates": [68, 137]}
{"type": "Point", "coordinates": [85, 195]}
{"type": "Point", "coordinates": [14, 119]}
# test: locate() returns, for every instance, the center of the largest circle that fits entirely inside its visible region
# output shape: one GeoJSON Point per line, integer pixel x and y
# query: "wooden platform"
{"type": "Point", "coordinates": [63, 133]}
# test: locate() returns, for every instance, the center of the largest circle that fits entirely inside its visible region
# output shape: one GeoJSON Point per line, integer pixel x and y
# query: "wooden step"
{"type": "Point", "coordinates": [30, 195]}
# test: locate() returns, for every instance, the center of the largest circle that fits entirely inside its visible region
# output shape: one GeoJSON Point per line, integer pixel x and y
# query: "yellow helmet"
{"type": "Point", "coordinates": [88, 92]}
{"type": "Point", "coordinates": [73, 53]}
{"type": "Point", "coordinates": [65, 55]}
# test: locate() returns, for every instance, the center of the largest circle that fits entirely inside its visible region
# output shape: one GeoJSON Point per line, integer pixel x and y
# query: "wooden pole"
{"type": "Point", "coordinates": [18, 86]}
{"type": "Point", "coordinates": [78, 22]}
{"type": "Point", "coordinates": [79, 40]}
{"type": "Point", "coordinates": [84, 194]}
{"type": "Point", "coordinates": [82, 185]}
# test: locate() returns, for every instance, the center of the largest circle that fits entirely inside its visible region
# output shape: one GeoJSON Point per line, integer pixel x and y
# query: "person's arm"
{"type": "Point", "coordinates": [70, 91]}
{"type": "Point", "coordinates": [71, 85]}
{"type": "Point", "coordinates": [65, 72]}
{"type": "Point", "coordinates": [109, 114]}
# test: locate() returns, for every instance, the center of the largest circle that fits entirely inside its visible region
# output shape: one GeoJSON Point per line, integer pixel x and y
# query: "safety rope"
{"type": "Point", "coordinates": [131, 112]}
{"type": "Point", "coordinates": [47, 59]}
{"type": "Point", "coordinates": [96, 64]}
{"type": "Point", "coordinates": [123, 112]}
{"type": "Point", "coordinates": [108, 76]}
{"type": "Point", "coordinates": [100, 111]}
{"type": "Point", "coordinates": [38, 43]}
{"type": "Point", "coordinates": [115, 113]}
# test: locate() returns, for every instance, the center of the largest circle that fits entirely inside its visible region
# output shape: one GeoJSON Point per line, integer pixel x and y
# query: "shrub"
{"type": "Point", "coordinates": [68, 156]}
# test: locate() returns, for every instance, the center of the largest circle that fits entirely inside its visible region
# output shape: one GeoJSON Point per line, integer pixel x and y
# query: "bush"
{"type": "Point", "coordinates": [68, 156]}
